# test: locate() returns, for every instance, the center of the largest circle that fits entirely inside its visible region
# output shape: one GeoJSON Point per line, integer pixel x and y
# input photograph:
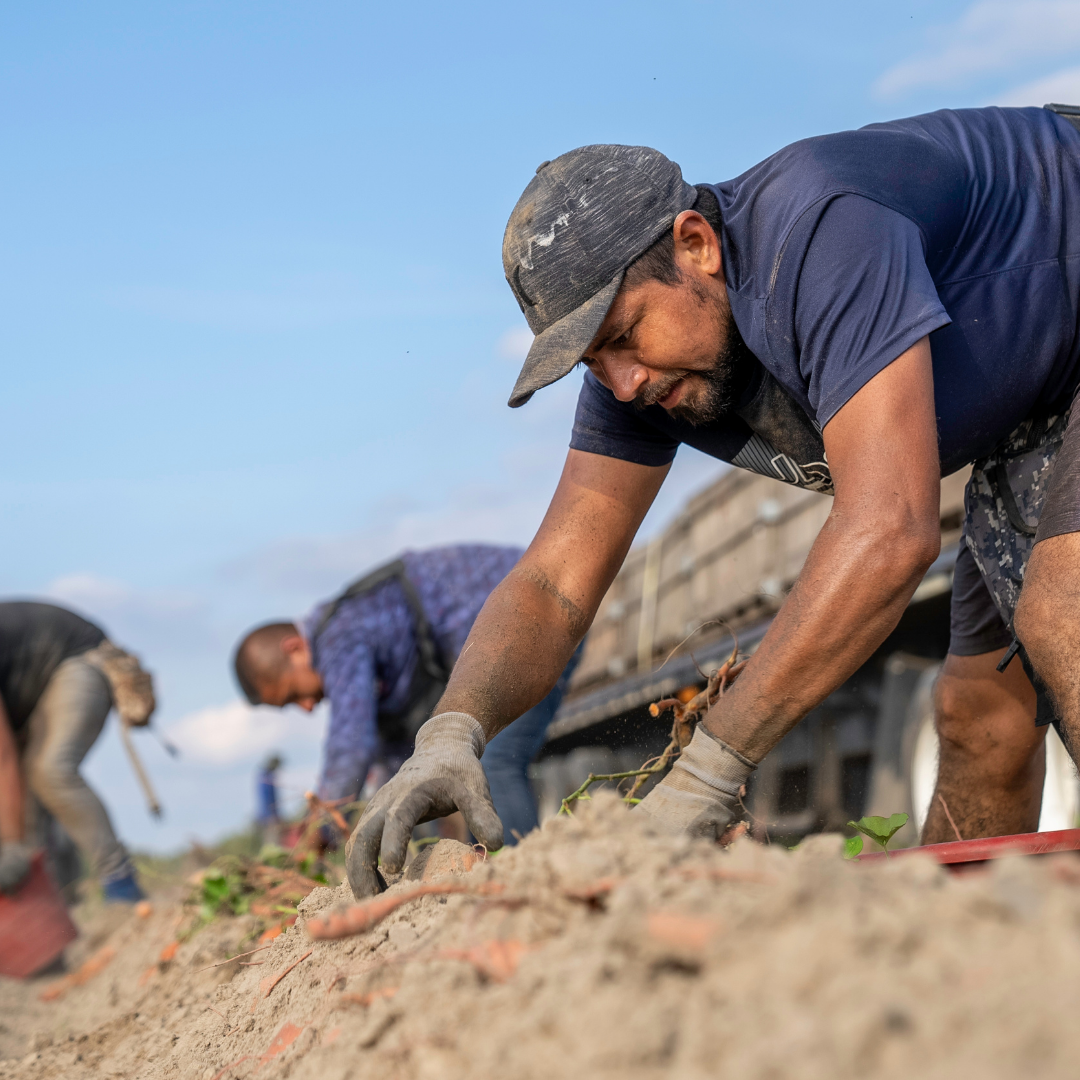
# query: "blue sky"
{"type": "Point", "coordinates": [254, 329]}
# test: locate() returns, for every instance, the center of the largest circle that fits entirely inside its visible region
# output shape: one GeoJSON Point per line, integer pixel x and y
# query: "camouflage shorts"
{"type": "Point", "coordinates": [1003, 503]}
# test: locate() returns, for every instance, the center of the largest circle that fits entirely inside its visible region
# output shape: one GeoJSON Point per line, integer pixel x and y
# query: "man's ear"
{"type": "Point", "coordinates": [696, 244]}
{"type": "Point", "coordinates": [294, 647]}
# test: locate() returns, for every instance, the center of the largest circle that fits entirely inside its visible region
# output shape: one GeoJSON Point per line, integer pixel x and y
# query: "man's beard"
{"type": "Point", "coordinates": [712, 392]}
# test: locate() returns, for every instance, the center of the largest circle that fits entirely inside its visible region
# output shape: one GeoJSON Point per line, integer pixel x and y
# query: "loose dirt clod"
{"type": "Point", "coordinates": [610, 950]}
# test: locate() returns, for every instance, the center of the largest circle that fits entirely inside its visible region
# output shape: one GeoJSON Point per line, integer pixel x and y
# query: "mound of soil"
{"type": "Point", "coordinates": [599, 948]}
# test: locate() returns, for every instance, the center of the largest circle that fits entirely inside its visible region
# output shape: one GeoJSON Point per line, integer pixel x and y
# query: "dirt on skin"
{"type": "Point", "coordinates": [599, 948]}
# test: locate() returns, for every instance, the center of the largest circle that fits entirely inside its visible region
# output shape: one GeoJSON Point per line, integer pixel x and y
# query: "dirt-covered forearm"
{"type": "Point", "coordinates": [850, 595]}
{"type": "Point", "coordinates": [527, 631]}
{"type": "Point", "coordinates": [880, 537]}
{"type": "Point", "coordinates": [522, 639]}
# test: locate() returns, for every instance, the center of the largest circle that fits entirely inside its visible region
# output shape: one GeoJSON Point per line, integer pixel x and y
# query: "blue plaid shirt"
{"type": "Point", "coordinates": [367, 653]}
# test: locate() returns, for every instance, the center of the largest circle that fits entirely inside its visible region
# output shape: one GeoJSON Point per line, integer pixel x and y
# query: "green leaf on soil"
{"type": "Point", "coordinates": [853, 846]}
{"type": "Point", "coordinates": [880, 829]}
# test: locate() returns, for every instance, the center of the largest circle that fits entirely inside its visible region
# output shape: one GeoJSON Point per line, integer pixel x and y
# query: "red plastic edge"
{"type": "Point", "coordinates": [991, 847]}
{"type": "Point", "coordinates": [34, 924]}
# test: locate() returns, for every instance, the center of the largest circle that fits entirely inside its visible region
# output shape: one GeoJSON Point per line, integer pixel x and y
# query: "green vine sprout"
{"type": "Point", "coordinates": [880, 829]}
{"type": "Point", "coordinates": [597, 778]}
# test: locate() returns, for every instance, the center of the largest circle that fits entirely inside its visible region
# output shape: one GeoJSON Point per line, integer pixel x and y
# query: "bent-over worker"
{"type": "Point", "coordinates": [59, 677]}
{"type": "Point", "coordinates": [381, 652]}
{"type": "Point", "coordinates": [860, 314]}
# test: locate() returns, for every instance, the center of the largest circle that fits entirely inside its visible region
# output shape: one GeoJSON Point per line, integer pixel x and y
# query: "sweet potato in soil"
{"type": "Point", "coordinates": [598, 948]}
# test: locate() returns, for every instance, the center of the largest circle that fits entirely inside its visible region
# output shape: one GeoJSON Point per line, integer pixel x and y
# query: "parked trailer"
{"type": "Point", "coordinates": [725, 563]}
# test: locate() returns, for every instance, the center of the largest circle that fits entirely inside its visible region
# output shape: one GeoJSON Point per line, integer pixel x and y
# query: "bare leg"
{"type": "Point", "coordinates": [1048, 623]}
{"type": "Point", "coordinates": [993, 758]}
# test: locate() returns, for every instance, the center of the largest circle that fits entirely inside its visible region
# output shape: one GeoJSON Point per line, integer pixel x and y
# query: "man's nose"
{"type": "Point", "coordinates": [626, 378]}
{"type": "Point", "coordinates": [307, 704]}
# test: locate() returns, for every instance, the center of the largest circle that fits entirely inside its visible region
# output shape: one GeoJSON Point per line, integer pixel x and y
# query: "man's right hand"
{"type": "Point", "coordinates": [443, 775]}
{"type": "Point", "coordinates": [15, 859]}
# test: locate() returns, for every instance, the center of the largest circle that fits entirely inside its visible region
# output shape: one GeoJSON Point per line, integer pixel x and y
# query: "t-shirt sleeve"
{"type": "Point", "coordinates": [865, 296]}
{"type": "Point", "coordinates": [604, 425]}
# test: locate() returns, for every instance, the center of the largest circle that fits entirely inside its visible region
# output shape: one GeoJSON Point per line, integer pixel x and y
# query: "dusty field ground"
{"type": "Point", "coordinates": [596, 948]}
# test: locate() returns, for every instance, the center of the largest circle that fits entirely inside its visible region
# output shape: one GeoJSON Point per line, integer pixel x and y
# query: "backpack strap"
{"type": "Point", "coordinates": [1067, 112]}
{"type": "Point", "coordinates": [430, 654]}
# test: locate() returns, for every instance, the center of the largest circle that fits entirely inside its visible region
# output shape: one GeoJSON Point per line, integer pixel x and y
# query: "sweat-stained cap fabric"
{"type": "Point", "coordinates": [576, 228]}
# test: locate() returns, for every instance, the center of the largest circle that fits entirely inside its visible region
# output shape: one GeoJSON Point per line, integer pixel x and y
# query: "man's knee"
{"type": "Point", "coordinates": [50, 775]}
{"type": "Point", "coordinates": [985, 718]}
{"type": "Point", "coordinates": [956, 716]}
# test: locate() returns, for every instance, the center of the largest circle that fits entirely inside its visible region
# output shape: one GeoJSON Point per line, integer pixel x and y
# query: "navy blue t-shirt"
{"type": "Point", "coordinates": [841, 252]}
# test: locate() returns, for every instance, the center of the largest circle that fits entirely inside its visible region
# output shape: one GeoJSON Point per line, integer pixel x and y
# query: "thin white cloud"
{"type": "Point", "coordinates": [991, 37]}
{"type": "Point", "coordinates": [309, 568]}
{"type": "Point", "coordinates": [147, 621]}
{"type": "Point", "coordinates": [504, 507]}
{"type": "Point", "coordinates": [312, 568]}
{"type": "Point", "coordinates": [514, 344]}
{"type": "Point", "coordinates": [1061, 87]}
{"type": "Point", "coordinates": [238, 732]}
{"type": "Point", "coordinates": [108, 595]}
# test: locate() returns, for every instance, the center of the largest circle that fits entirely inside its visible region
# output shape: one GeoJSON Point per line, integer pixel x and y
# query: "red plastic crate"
{"type": "Point", "coordinates": [34, 924]}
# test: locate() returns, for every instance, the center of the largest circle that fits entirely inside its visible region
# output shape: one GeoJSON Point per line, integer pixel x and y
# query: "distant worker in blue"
{"type": "Point", "coordinates": [267, 814]}
{"type": "Point", "coordinates": [382, 652]}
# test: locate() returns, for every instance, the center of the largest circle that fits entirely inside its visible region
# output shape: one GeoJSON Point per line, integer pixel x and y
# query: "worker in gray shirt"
{"type": "Point", "coordinates": [59, 677]}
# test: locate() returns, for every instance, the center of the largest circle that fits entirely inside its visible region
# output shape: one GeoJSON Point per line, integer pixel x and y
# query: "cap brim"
{"type": "Point", "coordinates": [556, 351]}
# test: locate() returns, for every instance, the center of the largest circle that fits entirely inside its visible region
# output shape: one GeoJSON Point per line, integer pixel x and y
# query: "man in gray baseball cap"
{"type": "Point", "coordinates": [580, 223]}
{"type": "Point", "coordinates": [860, 314]}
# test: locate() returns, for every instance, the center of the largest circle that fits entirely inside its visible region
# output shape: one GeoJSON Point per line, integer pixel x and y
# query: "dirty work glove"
{"type": "Point", "coordinates": [700, 795]}
{"type": "Point", "coordinates": [443, 775]}
{"type": "Point", "coordinates": [14, 864]}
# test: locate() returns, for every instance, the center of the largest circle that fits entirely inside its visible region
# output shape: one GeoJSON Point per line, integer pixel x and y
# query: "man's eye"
{"type": "Point", "coordinates": [622, 339]}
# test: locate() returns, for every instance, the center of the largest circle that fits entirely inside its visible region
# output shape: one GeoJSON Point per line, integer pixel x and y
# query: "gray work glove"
{"type": "Point", "coordinates": [700, 795]}
{"type": "Point", "coordinates": [14, 864]}
{"type": "Point", "coordinates": [443, 775]}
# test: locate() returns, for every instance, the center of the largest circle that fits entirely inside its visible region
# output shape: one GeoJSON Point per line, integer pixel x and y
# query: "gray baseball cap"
{"type": "Point", "coordinates": [583, 219]}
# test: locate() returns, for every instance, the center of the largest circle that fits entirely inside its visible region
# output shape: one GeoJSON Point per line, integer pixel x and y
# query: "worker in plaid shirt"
{"type": "Point", "coordinates": [362, 653]}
